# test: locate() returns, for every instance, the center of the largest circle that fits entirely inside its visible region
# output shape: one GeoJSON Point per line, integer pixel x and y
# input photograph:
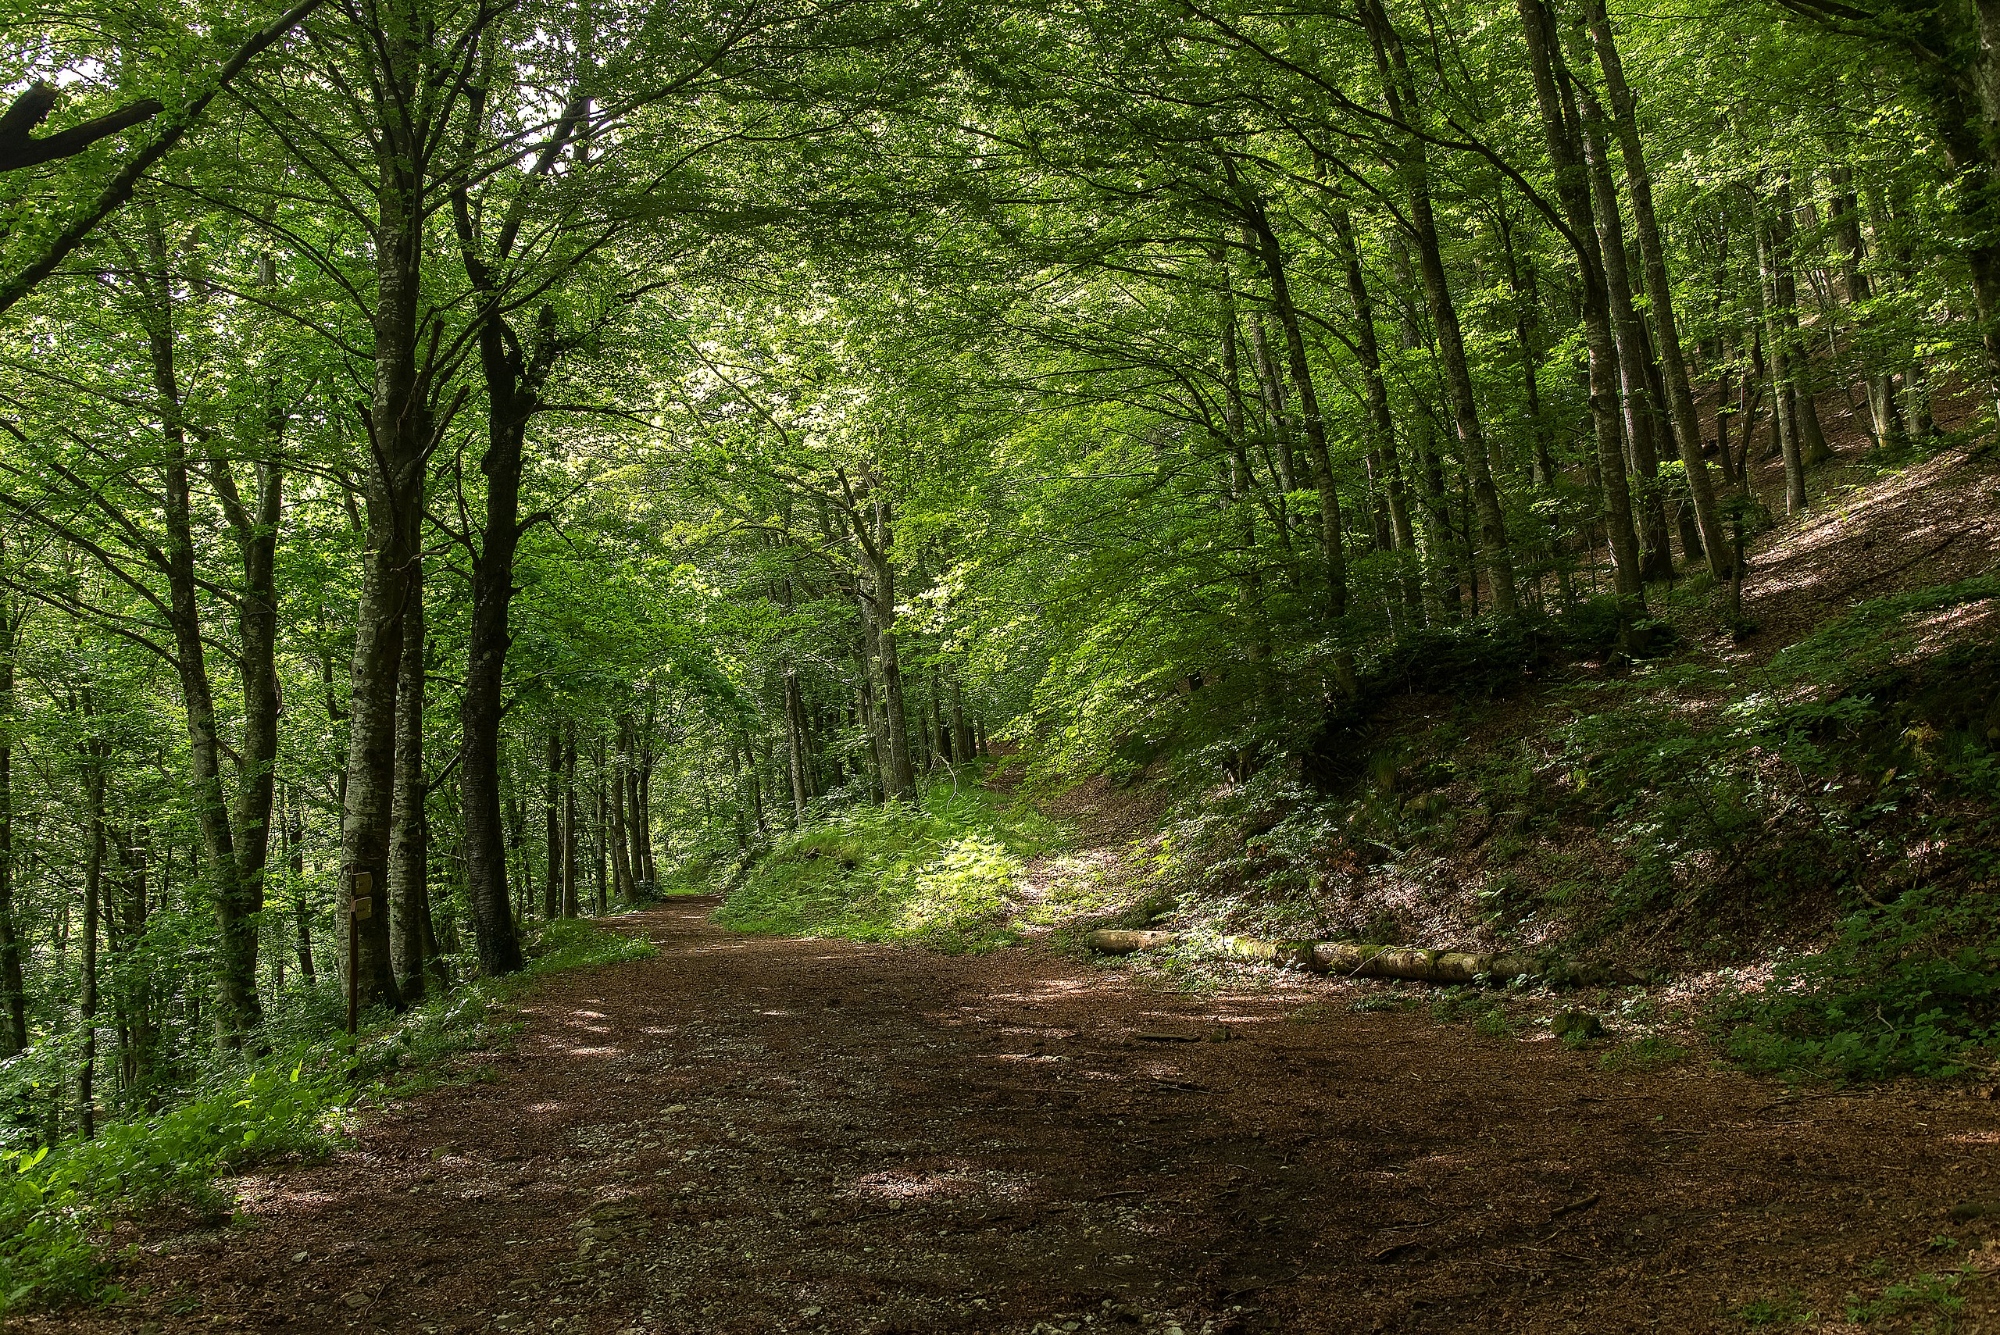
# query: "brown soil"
{"type": "Point", "coordinates": [751, 1134]}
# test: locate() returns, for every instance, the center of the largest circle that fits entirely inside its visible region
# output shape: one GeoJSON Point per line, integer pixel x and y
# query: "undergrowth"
{"type": "Point", "coordinates": [940, 872]}
{"type": "Point", "coordinates": [1911, 987]}
{"type": "Point", "coordinates": [1837, 800]}
{"type": "Point", "coordinates": [58, 1202]}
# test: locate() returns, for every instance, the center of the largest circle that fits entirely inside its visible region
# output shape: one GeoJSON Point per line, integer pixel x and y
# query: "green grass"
{"type": "Point", "coordinates": [56, 1203]}
{"type": "Point", "coordinates": [939, 873]}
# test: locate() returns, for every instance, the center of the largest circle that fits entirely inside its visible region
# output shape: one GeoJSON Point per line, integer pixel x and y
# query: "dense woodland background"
{"type": "Point", "coordinates": [532, 453]}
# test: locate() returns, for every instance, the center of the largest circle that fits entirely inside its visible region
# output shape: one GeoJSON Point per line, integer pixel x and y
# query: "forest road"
{"type": "Point", "coordinates": [757, 1134]}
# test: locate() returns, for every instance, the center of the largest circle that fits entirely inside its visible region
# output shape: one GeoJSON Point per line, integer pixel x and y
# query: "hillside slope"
{"type": "Point", "coordinates": [1739, 804]}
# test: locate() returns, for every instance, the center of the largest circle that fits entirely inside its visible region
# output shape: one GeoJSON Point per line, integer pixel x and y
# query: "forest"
{"type": "Point", "coordinates": [1401, 475]}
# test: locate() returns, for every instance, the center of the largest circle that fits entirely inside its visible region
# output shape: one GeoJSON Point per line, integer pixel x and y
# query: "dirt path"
{"type": "Point", "coordinates": [763, 1135]}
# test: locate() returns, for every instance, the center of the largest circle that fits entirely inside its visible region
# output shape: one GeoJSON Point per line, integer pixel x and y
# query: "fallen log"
{"type": "Point", "coordinates": [1112, 941]}
{"type": "Point", "coordinates": [1355, 960]}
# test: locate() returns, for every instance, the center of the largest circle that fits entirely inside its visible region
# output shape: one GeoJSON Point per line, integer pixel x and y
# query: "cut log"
{"type": "Point", "coordinates": [1355, 960]}
{"type": "Point", "coordinates": [1111, 941]}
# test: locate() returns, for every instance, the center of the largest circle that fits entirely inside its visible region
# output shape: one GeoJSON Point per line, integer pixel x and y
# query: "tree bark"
{"type": "Point", "coordinates": [1375, 388]}
{"type": "Point", "coordinates": [622, 844]}
{"type": "Point", "coordinates": [1438, 543]}
{"type": "Point", "coordinates": [1778, 353]}
{"type": "Point", "coordinates": [295, 833]}
{"type": "Point", "coordinates": [509, 403]}
{"type": "Point", "coordinates": [1572, 187]}
{"type": "Point", "coordinates": [1333, 552]}
{"type": "Point", "coordinates": [13, 990]}
{"type": "Point", "coordinates": [409, 843]}
{"type": "Point", "coordinates": [1885, 421]}
{"type": "Point", "coordinates": [569, 830]}
{"type": "Point", "coordinates": [1414, 166]}
{"type": "Point", "coordinates": [1686, 423]}
{"type": "Point", "coordinates": [552, 810]}
{"type": "Point", "coordinates": [1642, 413]}
{"type": "Point", "coordinates": [236, 898]}
{"type": "Point", "coordinates": [93, 883]}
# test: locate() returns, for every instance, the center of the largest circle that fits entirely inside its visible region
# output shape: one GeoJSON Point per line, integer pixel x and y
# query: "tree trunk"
{"type": "Point", "coordinates": [1414, 166]}
{"type": "Point", "coordinates": [1885, 421]}
{"type": "Point", "coordinates": [135, 990]}
{"type": "Point", "coordinates": [93, 882]}
{"type": "Point", "coordinates": [795, 746]}
{"type": "Point", "coordinates": [1572, 186]}
{"type": "Point", "coordinates": [638, 837]}
{"type": "Point", "coordinates": [237, 1010]}
{"type": "Point", "coordinates": [601, 831]}
{"type": "Point", "coordinates": [961, 735]}
{"type": "Point", "coordinates": [569, 830]}
{"type": "Point", "coordinates": [552, 809]}
{"type": "Point", "coordinates": [1685, 422]}
{"type": "Point", "coordinates": [620, 838]}
{"type": "Point", "coordinates": [295, 834]}
{"type": "Point", "coordinates": [1438, 544]}
{"type": "Point", "coordinates": [1642, 413]}
{"type": "Point", "coordinates": [13, 991]}
{"type": "Point", "coordinates": [1333, 552]}
{"type": "Point", "coordinates": [409, 841]}
{"type": "Point", "coordinates": [1777, 350]}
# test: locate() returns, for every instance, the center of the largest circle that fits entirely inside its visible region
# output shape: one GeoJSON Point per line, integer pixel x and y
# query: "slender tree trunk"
{"type": "Point", "coordinates": [961, 734]}
{"type": "Point", "coordinates": [409, 842]}
{"type": "Point", "coordinates": [874, 529]}
{"type": "Point", "coordinates": [1572, 186]}
{"type": "Point", "coordinates": [1686, 424]}
{"type": "Point", "coordinates": [1642, 413]}
{"type": "Point", "coordinates": [1414, 167]}
{"type": "Point", "coordinates": [601, 831]}
{"type": "Point", "coordinates": [864, 704]}
{"type": "Point", "coordinates": [93, 881]}
{"type": "Point", "coordinates": [236, 904]}
{"type": "Point", "coordinates": [569, 832]}
{"type": "Point", "coordinates": [1382, 423]}
{"type": "Point", "coordinates": [1886, 421]}
{"type": "Point", "coordinates": [13, 990]}
{"type": "Point", "coordinates": [1778, 351]}
{"type": "Point", "coordinates": [795, 746]}
{"type": "Point", "coordinates": [295, 835]}
{"type": "Point", "coordinates": [138, 1062]}
{"type": "Point", "coordinates": [1333, 552]}
{"type": "Point", "coordinates": [620, 837]}
{"type": "Point", "coordinates": [1438, 543]}
{"type": "Point", "coordinates": [552, 809]}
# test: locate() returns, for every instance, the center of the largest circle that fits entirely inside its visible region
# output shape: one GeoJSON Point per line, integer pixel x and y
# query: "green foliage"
{"type": "Point", "coordinates": [1935, 1297]}
{"type": "Point", "coordinates": [941, 873]}
{"type": "Point", "coordinates": [1765, 789]}
{"type": "Point", "coordinates": [1788, 1310]}
{"type": "Point", "coordinates": [1911, 987]}
{"type": "Point", "coordinates": [55, 1203]}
